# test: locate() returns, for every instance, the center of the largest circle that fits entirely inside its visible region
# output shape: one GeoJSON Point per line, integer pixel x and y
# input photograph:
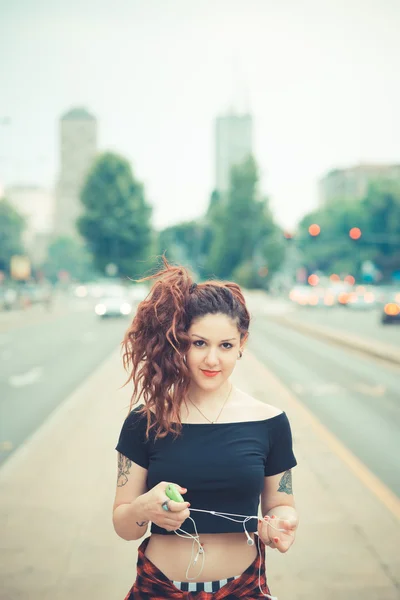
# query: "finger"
{"type": "Point", "coordinates": [177, 506]}
{"type": "Point", "coordinates": [289, 524]}
{"type": "Point", "coordinates": [182, 490]}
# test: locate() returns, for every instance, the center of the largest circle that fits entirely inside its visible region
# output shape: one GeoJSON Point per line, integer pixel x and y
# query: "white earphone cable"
{"type": "Point", "coordinates": [196, 540]}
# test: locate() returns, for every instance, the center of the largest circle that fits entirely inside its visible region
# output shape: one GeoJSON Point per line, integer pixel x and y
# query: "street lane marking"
{"type": "Point", "coordinates": [371, 481]}
{"type": "Point", "coordinates": [27, 378]}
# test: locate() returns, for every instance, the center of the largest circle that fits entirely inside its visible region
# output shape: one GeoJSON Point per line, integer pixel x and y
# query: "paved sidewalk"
{"type": "Point", "coordinates": [56, 495]}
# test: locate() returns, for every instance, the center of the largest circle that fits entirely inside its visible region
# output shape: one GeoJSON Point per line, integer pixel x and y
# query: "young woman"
{"type": "Point", "coordinates": [222, 449]}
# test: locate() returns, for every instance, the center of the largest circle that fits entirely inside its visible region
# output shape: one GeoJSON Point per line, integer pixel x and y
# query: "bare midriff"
{"type": "Point", "coordinates": [226, 555]}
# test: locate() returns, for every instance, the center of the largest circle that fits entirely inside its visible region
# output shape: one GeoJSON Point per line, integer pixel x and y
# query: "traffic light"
{"type": "Point", "coordinates": [314, 230]}
{"type": "Point", "coordinates": [355, 233]}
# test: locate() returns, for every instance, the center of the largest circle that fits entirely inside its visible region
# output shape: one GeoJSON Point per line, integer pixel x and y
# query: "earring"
{"type": "Point", "coordinates": [240, 354]}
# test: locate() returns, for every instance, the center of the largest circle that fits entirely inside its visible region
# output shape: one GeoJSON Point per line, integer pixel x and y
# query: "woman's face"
{"type": "Point", "coordinates": [215, 344]}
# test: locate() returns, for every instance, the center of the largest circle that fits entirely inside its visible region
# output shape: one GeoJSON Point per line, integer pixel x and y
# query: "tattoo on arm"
{"type": "Point", "coordinates": [285, 484]}
{"type": "Point", "coordinates": [142, 523]}
{"type": "Point", "coordinates": [124, 464]}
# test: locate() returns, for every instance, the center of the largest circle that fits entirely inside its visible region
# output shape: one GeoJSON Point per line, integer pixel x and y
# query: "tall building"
{"type": "Point", "coordinates": [78, 148]}
{"type": "Point", "coordinates": [352, 183]}
{"type": "Point", "coordinates": [233, 144]}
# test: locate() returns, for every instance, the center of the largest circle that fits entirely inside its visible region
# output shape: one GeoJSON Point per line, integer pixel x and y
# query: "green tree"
{"type": "Point", "coordinates": [245, 238]}
{"type": "Point", "coordinates": [12, 226]}
{"type": "Point", "coordinates": [332, 250]}
{"type": "Point", "coordinates": [378, 218]}
{"type": "Point", "coordinates": [380, 224]}
{"type": "Point", "coordinates": [183, 244]}
{"type": "Point", "coordinates": [116, 221]}
{"type": "Point", "coordinates": [233, 241]}
{"type": "Point", "coordinates": [68, 254]}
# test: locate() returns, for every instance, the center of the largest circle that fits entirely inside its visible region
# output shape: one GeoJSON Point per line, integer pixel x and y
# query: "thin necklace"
{"type": "Point", "coordinates": [219, 414]}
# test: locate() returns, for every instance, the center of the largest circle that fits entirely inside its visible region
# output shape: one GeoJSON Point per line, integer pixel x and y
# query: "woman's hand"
{"type": "Point", "coordinates": [153, 511]}
{"type": "Point", "coordinates": [274, 538]}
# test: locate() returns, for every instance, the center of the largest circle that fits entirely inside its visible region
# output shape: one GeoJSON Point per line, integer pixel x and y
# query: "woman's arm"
{"type": "Point", "coordinates": [277, 505]}
{"type": "Point", "coordinates": [128, 518]}
{"type": "Point", "coordinates": [278, 492]}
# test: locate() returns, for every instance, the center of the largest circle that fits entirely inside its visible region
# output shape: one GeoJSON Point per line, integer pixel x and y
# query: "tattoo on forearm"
{"type": "Point", "coordinates": [142, 523]}
{"type": "Point", "coordinates": [285, 484]}
{"type": "Point", "coordinates": [124, 464]}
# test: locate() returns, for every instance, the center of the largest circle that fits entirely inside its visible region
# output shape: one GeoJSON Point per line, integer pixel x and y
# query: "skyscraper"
{"type": "Point", "coordinates": [78, 147]}
{"type": "Point", "coordinates": [233, 143]}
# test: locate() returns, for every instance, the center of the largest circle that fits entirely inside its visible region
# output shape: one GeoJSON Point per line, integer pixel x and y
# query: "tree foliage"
{"type": "Point", "coordinates": [116, 221]}
{"type": "Point", "coordinates": [236, 239]}
{"type": "Point", "coordinates": [12, 226]}
{"type": "Point", "coordinates": [377, 216]}
{"type": "Point", "coordinates": [244, 236]}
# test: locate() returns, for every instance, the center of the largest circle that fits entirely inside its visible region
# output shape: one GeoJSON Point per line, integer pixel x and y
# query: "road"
{"type": "Point", "coordinates": [361, 322]}
{"type": "Point", "coordinates": [43, 358]}
{"type": "Point", "coordinates": [355, 397]}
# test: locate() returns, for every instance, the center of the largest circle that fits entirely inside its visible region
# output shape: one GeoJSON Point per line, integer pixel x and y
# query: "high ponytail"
{"type": "Point", "coordinates": [154, 348]}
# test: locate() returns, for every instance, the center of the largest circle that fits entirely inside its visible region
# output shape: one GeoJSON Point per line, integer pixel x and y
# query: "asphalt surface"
{"type": "Point", "coordinates": [43, 359]}
{"type": "Point", "coordinates": [355, 397]}
{"type": "Point", "coordinates": [352, 320]}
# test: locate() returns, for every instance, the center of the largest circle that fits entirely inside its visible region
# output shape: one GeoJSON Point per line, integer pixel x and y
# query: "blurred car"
{"type": "Point", "coordinates": [362, 297]}
{"type": "Point", "coordinates": [390, 312]}
{"type": "Point", "coordinates": [306, 295]}
{"type": "Point", "coordinates": [8, 298]}
{"type": "Point", "coordinates": [113, 306]}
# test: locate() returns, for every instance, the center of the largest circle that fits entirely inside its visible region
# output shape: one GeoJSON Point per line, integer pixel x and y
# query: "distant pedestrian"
{"type": "Point", "coordinates": [225, 452]}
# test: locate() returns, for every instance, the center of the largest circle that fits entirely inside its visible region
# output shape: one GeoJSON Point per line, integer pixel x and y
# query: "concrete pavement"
{"type": "Point", "coordinates": [57, 491]}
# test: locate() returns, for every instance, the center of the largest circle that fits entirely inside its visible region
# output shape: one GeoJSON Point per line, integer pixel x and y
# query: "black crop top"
{"type": "Point", "coordinates": [222, 465]}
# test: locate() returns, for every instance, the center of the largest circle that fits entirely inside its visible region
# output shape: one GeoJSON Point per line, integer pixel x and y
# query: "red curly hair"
{"type": "Point", "coordinates": [157, 341]}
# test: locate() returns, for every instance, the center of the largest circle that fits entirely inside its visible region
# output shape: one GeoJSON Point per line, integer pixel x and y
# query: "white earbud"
{"type": "Point", "coordinates": [250, 541]}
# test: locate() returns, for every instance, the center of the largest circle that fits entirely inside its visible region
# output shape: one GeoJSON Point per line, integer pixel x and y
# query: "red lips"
{"type": "Point", "coordinates": [210, 373]}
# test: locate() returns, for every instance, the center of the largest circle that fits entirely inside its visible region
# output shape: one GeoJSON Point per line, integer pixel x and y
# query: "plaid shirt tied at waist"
{"type": "Point", "coordinates": [151, 583]}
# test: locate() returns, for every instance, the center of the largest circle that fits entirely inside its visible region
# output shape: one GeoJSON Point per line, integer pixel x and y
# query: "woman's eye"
{"type": "Point", "coordinates": [201, 343]}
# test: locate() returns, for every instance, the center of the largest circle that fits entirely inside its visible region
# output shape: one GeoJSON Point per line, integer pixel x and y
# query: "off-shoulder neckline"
{"type": "Point", "coordinates": [236, 422]}
{"type": "Point", "coordinates": [136, 409]}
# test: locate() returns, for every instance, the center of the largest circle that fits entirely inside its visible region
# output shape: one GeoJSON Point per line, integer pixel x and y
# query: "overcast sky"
{"type": "Point", "coordinates": [321, 78]}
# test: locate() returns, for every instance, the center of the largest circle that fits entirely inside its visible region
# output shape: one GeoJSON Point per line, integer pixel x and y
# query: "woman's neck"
{"type": "Point", "coordinates": [213, 398]}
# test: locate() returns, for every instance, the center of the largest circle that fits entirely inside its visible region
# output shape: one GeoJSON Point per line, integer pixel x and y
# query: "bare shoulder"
{"type": "Point", "coordinates": [252, 409]}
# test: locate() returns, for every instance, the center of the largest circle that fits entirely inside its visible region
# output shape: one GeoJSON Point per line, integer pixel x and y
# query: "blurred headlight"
{"type": "Point", "coordinates": [329, 300]}
{"type": "Point", "coordinates": [369, 297]}
{"type": "Point", "coordinates": [100, 309]}
{"type": "Point", "coordinates": [81, 291]}
{"type": "Point", "coordinates": [392, 309]}
{"type": "Point", "coordinates": [343, 298]}
{"type": "Point", "coordinates": [125, 308]}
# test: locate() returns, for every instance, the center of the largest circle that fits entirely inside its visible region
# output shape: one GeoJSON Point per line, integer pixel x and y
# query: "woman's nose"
{"type": "Point", "coordinates": [212, 358]}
